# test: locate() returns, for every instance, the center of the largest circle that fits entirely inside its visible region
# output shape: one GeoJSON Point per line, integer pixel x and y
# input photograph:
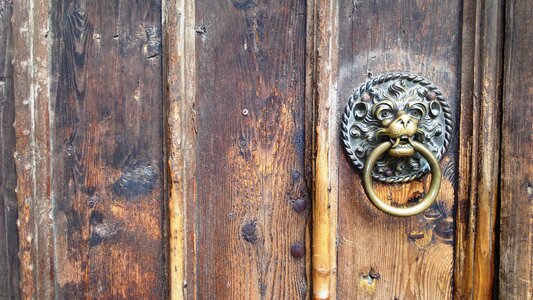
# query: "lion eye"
{"type": "Point", "coordinates": [385, 114]}
{"type": "Point", "coordinates": [384, 110]}
{"type": "Point", "coordinates": [417, 111]}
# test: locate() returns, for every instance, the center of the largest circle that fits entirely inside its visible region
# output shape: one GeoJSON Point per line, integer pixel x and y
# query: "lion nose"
{"type": "Point", "coordinates": [404, 120]}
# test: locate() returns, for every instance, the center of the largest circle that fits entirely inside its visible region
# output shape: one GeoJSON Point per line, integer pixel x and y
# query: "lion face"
{"type": "Point", "coordinates": [399, 115]}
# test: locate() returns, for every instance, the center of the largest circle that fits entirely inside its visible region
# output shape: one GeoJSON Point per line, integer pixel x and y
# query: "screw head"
{"type": "Point", "coordinates": [245, 112]}
{"type": "Point", "coordinates": [299, 205]}
{"type": "Point", "coordinates": [431, 95]}
{"type": "Point", "coordinates": [297, 250]}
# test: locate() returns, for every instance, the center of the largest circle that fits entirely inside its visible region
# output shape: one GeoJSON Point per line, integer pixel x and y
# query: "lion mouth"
{"type": "Point", "coordinates": [402, 147]}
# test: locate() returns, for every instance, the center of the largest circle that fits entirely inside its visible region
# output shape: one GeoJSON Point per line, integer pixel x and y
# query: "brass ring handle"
{"type": "Point", "coordinates": [424, 204]}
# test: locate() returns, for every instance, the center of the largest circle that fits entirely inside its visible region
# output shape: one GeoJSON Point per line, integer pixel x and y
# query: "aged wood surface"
{"type": "Point", "coordinates": [381, 256]}
{"type": "Point", "coordinates": [321, 83]}
{"type": "Point", "coordinates": [479, 148]}
{"type": "Point", "coordinates": [32, 96]}
{"type": "Point", "coordinates": [89, 129]}
{"type": "Point", "coordinates": [516, 238]}
{"type": "Point", "coordinates": [179, 92]}
{"type": "Point", "coordinates": [9, 276]}
{"type": "Point", "coordinates": [250, 74]}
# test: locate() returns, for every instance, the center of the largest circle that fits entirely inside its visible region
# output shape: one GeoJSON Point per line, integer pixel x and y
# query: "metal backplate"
{"type": "Point", "coordinates": [362, 128]}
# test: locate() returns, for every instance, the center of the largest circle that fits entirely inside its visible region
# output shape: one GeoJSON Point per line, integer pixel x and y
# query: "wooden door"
{"type": "Point", "coordinates": [171, 149]}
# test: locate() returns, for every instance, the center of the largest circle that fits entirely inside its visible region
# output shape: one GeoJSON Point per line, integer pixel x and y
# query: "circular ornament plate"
{"type": "Point", "coordinates": [362, 128]}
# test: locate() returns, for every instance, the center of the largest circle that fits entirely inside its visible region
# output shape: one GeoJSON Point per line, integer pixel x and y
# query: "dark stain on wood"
{"type": "Point", "coordinates": [249, 231]}
{"type": "Point", "coordinates": [138, 178]}
{"type": "Point", "coordinates": [244, 4]}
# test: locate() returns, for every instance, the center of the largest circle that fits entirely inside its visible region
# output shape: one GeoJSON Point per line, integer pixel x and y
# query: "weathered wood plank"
{"type": "Point", "coordinates": [9, 269]}
{"type": "Point", "coordinates": [89, 125]}
{"type": "Point", "coordinates": [321, 82]}
{"type": "Point", "coordinates": [479, 146]}
{"type": "Point", "coordinates": [180, 86]}
{"type": "Point", "coordinates": [516, 237]}
{"type": "Point", "coordinates": [378, 255]}
{"type": "Point", "coordinates": [250, 73]}
{"type": "Point", "coordinates": [108, 158]}
{"type": "Point", "coordinates": [32, 95]}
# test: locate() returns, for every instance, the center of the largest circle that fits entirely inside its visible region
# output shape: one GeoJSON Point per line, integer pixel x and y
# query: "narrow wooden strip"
{"type": "Point", "coordinates": [9, 265]}
{"type": "Point", "coordinates": [479, 147]}
{"type": "Point", "coordinates": [323, 81]}
{"type": "Point", "coordinates": [516, 236]}
{"type": "Point", "coordinates": [465, 227]}
{"type": "Point", "coordinates": [31, 81]}
{"type": "Point", "coordinates": [180, 83]}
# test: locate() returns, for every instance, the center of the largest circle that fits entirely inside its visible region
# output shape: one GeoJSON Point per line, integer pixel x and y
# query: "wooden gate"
{"type": "Point", "coordinates": [157, 149]}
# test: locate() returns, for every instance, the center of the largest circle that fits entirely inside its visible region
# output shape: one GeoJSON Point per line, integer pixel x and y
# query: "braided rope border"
{"type": "Point", "coordinates": [379, 80]}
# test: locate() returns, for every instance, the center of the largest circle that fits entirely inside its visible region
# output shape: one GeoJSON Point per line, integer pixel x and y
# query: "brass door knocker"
{"type": "Point", "coordinates": [396, 128]}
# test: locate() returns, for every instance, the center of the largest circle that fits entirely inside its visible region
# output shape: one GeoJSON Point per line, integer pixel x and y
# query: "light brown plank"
{"type": "Point", "coordinates": [321, 83]}
{"type": "Point", "coordinates": [250, 73]}
{"type": "Point", "coordinates": [180, 86]}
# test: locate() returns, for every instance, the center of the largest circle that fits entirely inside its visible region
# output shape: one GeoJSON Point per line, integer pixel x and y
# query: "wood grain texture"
{"type": "Point", "coordinates": [516, 238]}
{"type": "Point", "coordinates": [321, 81]}
{"type": "Point", "coordinates": [32, 96]}
{"type": "Point", "coordinates": [479, 133]}
{"type": "Point", "coordinates": [380, 256]}
{"type": "Point", "coordinates": [250, 73]}
{"type": "Point", "coordinates": [179, 93]}
{"type": "Point", "coordinates": [89, 126]}
{"type": "Point", "coordinates": [9, 266]}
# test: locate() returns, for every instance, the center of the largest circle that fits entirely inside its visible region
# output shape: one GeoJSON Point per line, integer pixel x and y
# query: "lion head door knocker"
{"type": "Point", "coordinates": [396, 128]}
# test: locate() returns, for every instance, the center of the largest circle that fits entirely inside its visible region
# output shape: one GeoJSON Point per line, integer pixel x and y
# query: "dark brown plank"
{"type": "Point", "coordinates": [250, 73]}
{"type": "Point", "coordinates": [9, 276]}
{"type": "Point", "coordinates": [89, 109]}
{"type": "Point", "coordinates": [413, 256]}
{"type": "Point", "coordinates": [108, 151]}
{"type": "Point", "coordinates": [516, 237]}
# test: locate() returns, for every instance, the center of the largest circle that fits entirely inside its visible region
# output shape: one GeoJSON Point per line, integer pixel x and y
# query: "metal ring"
{"type": "Point", "coordinates": [425, 203]}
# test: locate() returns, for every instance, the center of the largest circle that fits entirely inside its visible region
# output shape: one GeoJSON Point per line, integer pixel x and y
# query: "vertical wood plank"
{"type": "Point", "coordinates": [250, 72]}
{"type": "Point", "coordinates": [322, 82]}
{"type": "Point", "coordinates": [9, 267]}
{"type": "Point", "coordinates": [107, 149]}
{"type": "Point", "coordinates": [479, 149]}
{"type": "Point", "coordinates": [89, 128]}
{"type": "Point", "coordinates": [379, 255]}
{"type": "Point", "coordinates": [179, 93]}
{"type": "Point", "coordinates": [516, 237]}
{"type": "Point", "coordinates": [32, 96]}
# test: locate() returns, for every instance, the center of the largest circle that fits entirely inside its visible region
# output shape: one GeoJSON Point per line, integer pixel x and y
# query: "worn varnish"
{"type": "Point", "coordinates": [250, 74]}
{"type": "Point", "coordinates": [9, 276]}
{"type": "Point", "coordinates": [516, 238]}
{"type": "Point", "coordinates": [89, 127]}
